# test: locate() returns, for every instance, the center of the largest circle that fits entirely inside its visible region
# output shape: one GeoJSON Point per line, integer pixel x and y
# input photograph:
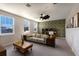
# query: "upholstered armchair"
{"type": "Point", "coordinates": [51, 40]}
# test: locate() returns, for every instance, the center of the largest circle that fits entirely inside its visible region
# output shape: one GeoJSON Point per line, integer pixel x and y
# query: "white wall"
{"type": "Point", "coordinates": [74, 10]}
{"type": "Point", "coordinates": [19, 29]}
{"type": "Point", "coordinates": [72, 37]}
{"type": "Point", "coordinates": [32, 26]}
{"type": "Point", "coordinates": [72, 34]}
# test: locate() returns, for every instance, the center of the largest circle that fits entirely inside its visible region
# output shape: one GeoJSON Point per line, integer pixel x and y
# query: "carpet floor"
{"type": "Point", "coordinates": [61, 49]}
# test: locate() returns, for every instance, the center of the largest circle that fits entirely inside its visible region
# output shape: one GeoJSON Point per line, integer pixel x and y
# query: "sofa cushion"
{"type": "Point", "coordinates": [34, 34]}
{"type": "Point", "coordinates": [40, 40]}
{"type": "Point", "coordinates": [38, 35]}
{"type": "Point", "coordinates": [44, 36]}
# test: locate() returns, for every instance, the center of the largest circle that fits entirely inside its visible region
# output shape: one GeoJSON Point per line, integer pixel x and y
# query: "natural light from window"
{"type": "Point", "coordinates": [6, 25]}
{"type": "Point", "coordinates": [26, 25]}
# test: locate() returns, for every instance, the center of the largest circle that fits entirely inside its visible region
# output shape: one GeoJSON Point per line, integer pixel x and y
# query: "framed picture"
{"type": "Point", "coordinates": [74, 22]}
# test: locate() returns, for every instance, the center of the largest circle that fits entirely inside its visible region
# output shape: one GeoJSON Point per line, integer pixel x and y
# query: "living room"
{"type": "Point", "coordinates": [27, 20]}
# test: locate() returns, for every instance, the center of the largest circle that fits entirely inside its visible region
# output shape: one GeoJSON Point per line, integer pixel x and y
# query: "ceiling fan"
{"type": "Point", "coordinates": [28, 4]}
{"type": "Point", "coordinates": [44, 17]}
{"type": "Point", "coordinates": [54, 3]}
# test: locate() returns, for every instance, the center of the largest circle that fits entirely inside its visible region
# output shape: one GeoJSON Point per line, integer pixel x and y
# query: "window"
{"type": "Point", "coordinates": [35, 26]}
{"type": "Point", "coordinates": [6, 25]}
{"type": "Point", "coordinates": [26, 25]}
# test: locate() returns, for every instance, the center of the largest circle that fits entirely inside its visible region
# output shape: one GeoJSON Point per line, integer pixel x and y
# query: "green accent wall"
{"type": "Point", "coordinates": [57, 24]}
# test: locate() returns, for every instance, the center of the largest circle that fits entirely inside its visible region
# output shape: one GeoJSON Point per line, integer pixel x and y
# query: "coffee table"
{"type": "Point", "coordinates": [2, 51]}
{"type": "Point", "coordinates": [23, 48]}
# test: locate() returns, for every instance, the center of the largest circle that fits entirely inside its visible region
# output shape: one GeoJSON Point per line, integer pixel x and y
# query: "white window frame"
{"type": "Point", "coordinates": [28, 26]}
{"type": "Point", "coordinates": [2, 34]}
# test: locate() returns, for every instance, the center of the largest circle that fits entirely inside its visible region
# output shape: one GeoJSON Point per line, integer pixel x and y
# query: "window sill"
{"type": "Point", "coordinates": [6, 34]}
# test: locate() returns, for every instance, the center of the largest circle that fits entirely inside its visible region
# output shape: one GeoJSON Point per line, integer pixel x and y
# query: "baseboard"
{"type": "Point", "coordinates": [7, 44]}
{"type": "Point", "coordinates": [60, 37]}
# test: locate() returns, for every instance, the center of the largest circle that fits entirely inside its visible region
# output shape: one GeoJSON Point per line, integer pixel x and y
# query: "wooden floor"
{"type": "Point", "coordinates": [61, 49]}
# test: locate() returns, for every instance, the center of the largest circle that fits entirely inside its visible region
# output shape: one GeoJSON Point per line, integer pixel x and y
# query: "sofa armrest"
{"type": "Point", "coordinates": [45, 40]}
{"type": "Point", "coordinates": [44, 36]}
{"type": "Point", "coordinates": [26, 36]}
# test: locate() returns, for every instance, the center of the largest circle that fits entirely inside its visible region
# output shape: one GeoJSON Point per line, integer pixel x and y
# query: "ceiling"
{"type": "Point", "coordinates": [56, 11]}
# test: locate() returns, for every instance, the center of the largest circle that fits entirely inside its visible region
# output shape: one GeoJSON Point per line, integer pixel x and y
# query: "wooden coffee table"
{"type": "Point", "coordinates": [2, 51]}
{"type": "Point", "coordinates": [23, 48]}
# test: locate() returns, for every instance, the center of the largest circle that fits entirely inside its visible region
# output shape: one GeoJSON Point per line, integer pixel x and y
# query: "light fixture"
{"type": "Point", "coordinates": [44, 17]}
{"type": "Point", "coordinates": [28, 5]}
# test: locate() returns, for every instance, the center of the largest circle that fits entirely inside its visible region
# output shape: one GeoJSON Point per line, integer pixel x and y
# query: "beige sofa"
{"type": "Point", "coordinates": [35, 37]}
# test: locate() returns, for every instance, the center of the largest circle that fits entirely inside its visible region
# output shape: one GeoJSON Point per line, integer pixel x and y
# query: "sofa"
{"type": "Point", "coordinates": [35, 37]}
